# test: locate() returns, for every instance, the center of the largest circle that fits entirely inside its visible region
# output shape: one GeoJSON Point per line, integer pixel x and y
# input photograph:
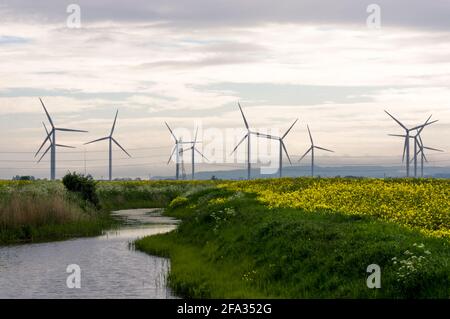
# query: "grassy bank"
{"type": "Point", "coordinates": [43, 211]}
{"type": "Point", "coordinates": [33, 211]}
{"type": "Point", "coordinates": [148, 194]}
{"type": "Point", "coordinates": [242, 240]}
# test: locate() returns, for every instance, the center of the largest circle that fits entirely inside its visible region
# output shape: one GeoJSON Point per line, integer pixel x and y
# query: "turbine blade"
{"type": "Point", "coordinates": [98, 140]}
{"type": "Point", "coordinates": [266, 136]}
{"type": "Point", "coordinates": [404, 149]}
{"type": "Point", "coordinates": [46, 112]}
{"type": "Point", "coordinates": [69, 130]}
{"type": "Point", "coordinates": [306, 153]}
{"type": "Point", "coordinates": [399, 123]}
{"type": "Point", "coordinates": [201, 154]}
{"type": "Point", "coordinates": [195, 139]}
{"type": "Point", "coordinates": [45, 128]}
{"type": "Point", "coordinates": [397, 135]}
{"type": "Point", "coordinates": [423, 125]}
{"type": "Point", "coordinates": [45, 141]}
{"type": "Point", "coordinates": [420, 141]}
{"type": "Point", "coordinates": [46, 151]}
{"type": "Point", "coordinates": [425, 158]}
{"type": "Point", "coordinates": [324, 149]}
{"type": "Point", "coordinates": [287, 132]}
{"type": "Point", "coordinates": [114, 124]}
{"type": "Point", "coordinates": [285, 151]}
{"type": "Point", "coordinates": [310, 136]}
{"type": "Point", "coordinates": [432, 149]}
{"type": "Point", "coordinates": [42, 145]}
{"type": "Point", "coordinates": [234, 150]}
{"type": "Point", "coordinates": [171, 155]}
{"type": "Point", "coordinates": [65, 146]}
{"type": "Point", "coordinates": [117, 143]}
{"type": "Point", "coordinates": [420, 130]}
{"type": "Point", "coordinates": [412, 159]}
{"type": "Point", "coordinates": [171, 132]}
{"type": "Point", "coordinates": [243, 116]}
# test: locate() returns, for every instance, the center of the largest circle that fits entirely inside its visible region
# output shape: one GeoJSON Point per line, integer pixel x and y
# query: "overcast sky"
{"type": "Point", "coordinates": [189, 62]}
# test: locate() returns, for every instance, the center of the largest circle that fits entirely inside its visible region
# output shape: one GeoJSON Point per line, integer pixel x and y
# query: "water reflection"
{"type": "Point", "coordinates": [109, 268]}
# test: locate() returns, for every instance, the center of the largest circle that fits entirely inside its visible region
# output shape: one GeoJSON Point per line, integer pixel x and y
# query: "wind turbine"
{"type": "Point", "coordinates": [246, 136]}
{"type": "Point", "coordinates": [51, 136]}
{"type": "Point", "coordinates": [176, 148]}
{"type": "Point", "coordinates": [193, 149]}
{"type": "Point", "coordinates": [417, 142]}
{"type": "Point", "coordinates": [407, 137]}
{"type": "Point", "coordinates": [111, 140]}
{"type": "Point", "coordinates": [311, 149]}
{"type": "Point", "coordinates": [282, 146]}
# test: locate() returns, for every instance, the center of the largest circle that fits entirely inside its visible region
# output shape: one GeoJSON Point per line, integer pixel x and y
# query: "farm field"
{"type": "Point", "coordinates": [310, 238]}
{"type": "Point", "coordinates": [279, 238]}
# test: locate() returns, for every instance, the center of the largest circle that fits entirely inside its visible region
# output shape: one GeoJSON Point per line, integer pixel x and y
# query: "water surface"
{"type": "Point", "coordinates": [110, 267]}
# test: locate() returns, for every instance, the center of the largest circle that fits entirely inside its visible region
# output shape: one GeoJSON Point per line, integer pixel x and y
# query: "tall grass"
{"type": "Point", "coordinates": [27, 209]}
{"type": "Point", "coordinates": [41, 210]}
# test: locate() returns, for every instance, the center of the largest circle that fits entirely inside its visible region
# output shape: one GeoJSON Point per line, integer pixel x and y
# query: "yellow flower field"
{"type": "Point", "coordinates": [417, 204]}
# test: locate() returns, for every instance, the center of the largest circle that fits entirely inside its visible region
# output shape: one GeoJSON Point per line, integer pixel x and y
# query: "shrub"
{"type": "Point", "coordinates": [178, 202]}
{"type": "Point", "coordinates": [85, 186]}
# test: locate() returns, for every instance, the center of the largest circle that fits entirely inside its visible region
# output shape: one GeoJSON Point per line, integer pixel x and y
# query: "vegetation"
{"type": "Point", "coordinates": [149, 194]}
{"type": "Point", "coordinates": [282, 238]}
{"type": "Point", "coordinates": [84, 186]}
{"type": "Point", "coordinates": [309, 238]}
{"type": "Point", "coordinates": [422, 204]}
{"type": "Point", "coordinates": [42, 210]}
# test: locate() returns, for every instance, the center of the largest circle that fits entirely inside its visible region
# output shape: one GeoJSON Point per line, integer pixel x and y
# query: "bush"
{"type": "Point", "coordinates": [178, 202]}
{"type": "Point", "coordinates": [85, 186]}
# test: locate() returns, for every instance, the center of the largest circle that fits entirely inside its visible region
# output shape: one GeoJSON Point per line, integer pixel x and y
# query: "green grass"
{"type": "Point", "coordinates": [230, 245]}
{"type": "Point", "coordinates": [55, 232]}
{"type": "Point", "coordinates": [144, 194]}
{"type": "Point", "coordinates": [35, 211]}
{"type": "Point", "coordinates": [289, 238]}
{"type": "Point", "coordinates": [44, 211]}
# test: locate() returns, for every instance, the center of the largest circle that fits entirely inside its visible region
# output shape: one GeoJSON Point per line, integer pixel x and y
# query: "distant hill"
{"type": "Point", "coordinates": [297, 171]}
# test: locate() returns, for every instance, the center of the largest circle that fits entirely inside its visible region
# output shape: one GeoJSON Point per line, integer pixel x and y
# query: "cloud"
{"type": "Point", "coordinates": [205, 13]}
{"type": "Point", "coordinates": [5, 40]}
{"type": "Point", "coordinates": [158, 61]}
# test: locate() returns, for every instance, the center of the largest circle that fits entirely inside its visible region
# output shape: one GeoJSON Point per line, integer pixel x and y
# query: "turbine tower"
{"type": "Point", "coordinates": [281, 145]}
{"type": "Point", "coordinates": [176, 148]}
{"type": "Point", "coordinates": [111, 139]}
{"type": "Point", "coordinates": [407, 137]}
{"type": "Point", "coordinates": [194, 149]}
{"type": "Point", "coordinates": [311, 149]}
{"type": "Point", "coordinates": [51, 137]}
{"type": "Point", "coordinates": [246, 136]}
